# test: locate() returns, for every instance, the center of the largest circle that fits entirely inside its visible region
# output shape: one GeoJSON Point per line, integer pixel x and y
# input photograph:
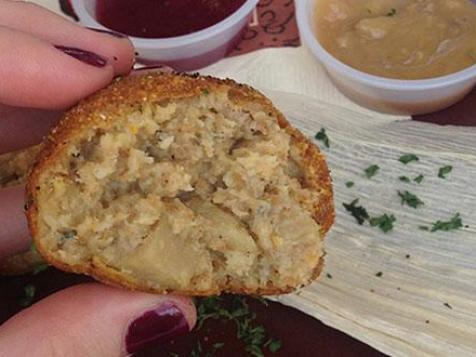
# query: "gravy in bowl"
{"type": "Point", "coordinates": [401, 39]}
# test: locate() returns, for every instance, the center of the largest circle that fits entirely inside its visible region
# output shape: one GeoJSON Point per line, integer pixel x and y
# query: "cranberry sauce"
{"type": "Point", "coordinates": [163, 18]}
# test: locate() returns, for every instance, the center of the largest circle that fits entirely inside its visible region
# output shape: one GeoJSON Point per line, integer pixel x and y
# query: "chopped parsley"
{"type": "Point", "coordinates": [404, 179]}
{"type": "Point", "coordinates": [273, 345]}
{"type": "Point", "coordinates": [29, 291]}
{"type": "Point", "coordinates": [419, 179]}
{"type": "Point", "coordinates": [423, 228]}
{"type": "Point", "coordinates": [218, 345]}
{"type": "Point", "coordinates": [322, 136]}
{"type": "Point", "coordinates": [379, 274]}
{"type": "Point", "coordinates": [407, 158]}
{"type": "Point", "coordinates": [384, 222]}
{"type": "Point", "coordinates": [410, 199]}
{"type": "Point", "coordinates": [205, 92]}
{"type": "Point", "coordinates": [392, 12]}
{"type": "Point", "coordinates": [448, 306]}
{"type": "Point", "coordinates": [371, 171]}
{"type": "Point", "coordinates": [261, 300]}
{"type": "Point", "coordinates": [444, 171]}
{"type": "Point", "coordinates": [33, 248]}
{"type": "Point", "coordinates": [252, 335]}
{"type": "Point", "coordinates": [358, 212]}
{"type": "Point", "coordinates": [454, 223]}
{"type": "Point", "coordinates": [349, 184]}
{"type": "Point", "coordinates": [329, 276]}
{"type": "Point", "coordinates": [39, 268]}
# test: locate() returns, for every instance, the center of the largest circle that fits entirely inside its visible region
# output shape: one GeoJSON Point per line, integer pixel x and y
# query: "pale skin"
{"type": "Point", "coordinates": [38, 82]}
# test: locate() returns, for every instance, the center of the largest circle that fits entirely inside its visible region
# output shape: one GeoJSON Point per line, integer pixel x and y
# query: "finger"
{"type": "Point", "coordinates": [23, 127]}
{"type": "Point", "coordinates": [96, 320]}
{"type": "Point", "coordinates": [42, 23]}
{"type": "Point", "coordinates": [36, 74]}
{"type": "Point", "coordinates": [14, 235]}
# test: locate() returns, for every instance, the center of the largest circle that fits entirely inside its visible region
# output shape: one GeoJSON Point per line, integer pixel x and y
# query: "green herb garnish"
{"type": "Point", "coordinates": [218, 345]}
{"type": "Point", "coordinates": [358, 212]}
{"type": "Point", "coordinates": [205, 92]}
{"type": "Point", "coordinates": [423, 228]}
{"type": "Point", "coordinates": [273, 345]}
{"type": "Point", "coordinates": [39, 268]}
{"type": "Point", "coordinates": [349, 184]}
{"type": "Point", "coordinates": [33, 248]}
{"type": "Point", "coordinates": [404, 179]}
{"type": "Point", "coordinates": [407, 158]}
{"type": "Point", "coordinates": [322, 136]}
{"type": "Point", "coordinates": [261, 300]}
{"type": "Point", "coordinates": [329, 276]}
{"type": "Point", "coordinates": [379, 274]}
{"type": "Point", "coordinates": [410, 199]}
{"type": "Point", "coordinates": [29, 294]}
{"type": "Point", "coordinates": [444, 171]}
{"type": "Point", "coordinates": [392, 12]}
{"type": "Point", "coordinates": [419, 179]}
{"type": "Point", "coordinates": [252, 335]}
{"type": "Point", "coordinates": [454, 223]}
{"type": "Point", "coordinates": [384, 222]}
{"type": "Point", "coordinates": [371, 171]}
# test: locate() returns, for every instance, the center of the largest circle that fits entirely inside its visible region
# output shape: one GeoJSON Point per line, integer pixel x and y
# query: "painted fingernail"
{"type": "Point", "coordinates": [108, 32]}
{"type": "Point", "coordinates": [154, 327]}
{"type": "Point", "coordinates": [84, 56]}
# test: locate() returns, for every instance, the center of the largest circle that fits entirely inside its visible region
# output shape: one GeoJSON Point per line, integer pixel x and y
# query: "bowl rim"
{"type": "Point", "coordinates": [303, 13]}
{"type": "Point", "coordinates": [171, 42]}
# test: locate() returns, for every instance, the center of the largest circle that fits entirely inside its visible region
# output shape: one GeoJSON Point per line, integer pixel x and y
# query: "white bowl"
{"type": "Point", "coordinates": [183, 53]}
{"type": "Point", "coordinates": [383, 94]}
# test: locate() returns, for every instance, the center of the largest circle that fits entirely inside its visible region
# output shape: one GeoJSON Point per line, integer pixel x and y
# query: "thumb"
{"type": "Point", "coordinates": [96, 320]}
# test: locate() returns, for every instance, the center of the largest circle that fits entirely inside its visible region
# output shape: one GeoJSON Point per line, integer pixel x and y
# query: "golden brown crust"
{"type": "Point", "coordinates": [126, 92]}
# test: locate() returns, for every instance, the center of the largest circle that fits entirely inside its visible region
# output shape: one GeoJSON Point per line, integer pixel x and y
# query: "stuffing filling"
{"type": "Point", "coordinates": [195, 194]}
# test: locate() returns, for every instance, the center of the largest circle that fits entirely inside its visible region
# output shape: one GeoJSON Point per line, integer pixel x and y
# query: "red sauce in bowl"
{"type": "Point", "coordinates": [163, 18]}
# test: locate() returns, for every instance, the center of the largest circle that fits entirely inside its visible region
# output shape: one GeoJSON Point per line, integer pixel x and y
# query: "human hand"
{"type": "Point", "coordinates": [47, 64]}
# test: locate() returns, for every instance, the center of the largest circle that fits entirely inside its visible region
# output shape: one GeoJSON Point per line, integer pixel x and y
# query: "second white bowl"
{"type": "Point", "coordinates": [379, 93]}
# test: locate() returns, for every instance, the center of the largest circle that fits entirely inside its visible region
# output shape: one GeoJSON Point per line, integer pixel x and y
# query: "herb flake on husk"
{"type": "Point", "coordinates": [358, 212]}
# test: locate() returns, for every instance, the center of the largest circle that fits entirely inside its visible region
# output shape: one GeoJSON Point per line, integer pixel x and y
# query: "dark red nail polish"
{"type": "Point", "coordinates": [154, 327]}
{"type": "Point", "coordinates": [108, 32]}
{"type": "Point", "coordinates": [84, 56]}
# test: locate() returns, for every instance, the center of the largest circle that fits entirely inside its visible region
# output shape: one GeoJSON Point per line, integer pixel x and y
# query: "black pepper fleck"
{"type": "Point", "coordinates": [448, 306]}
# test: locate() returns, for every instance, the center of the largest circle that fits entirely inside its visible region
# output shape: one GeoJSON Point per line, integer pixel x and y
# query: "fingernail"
{"type": "Point", "coordinates": [108, 32]}
{"type": "Point", "coordinates": [155, 327]}
{"type": "Point", "coordinates": [84, 56]}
